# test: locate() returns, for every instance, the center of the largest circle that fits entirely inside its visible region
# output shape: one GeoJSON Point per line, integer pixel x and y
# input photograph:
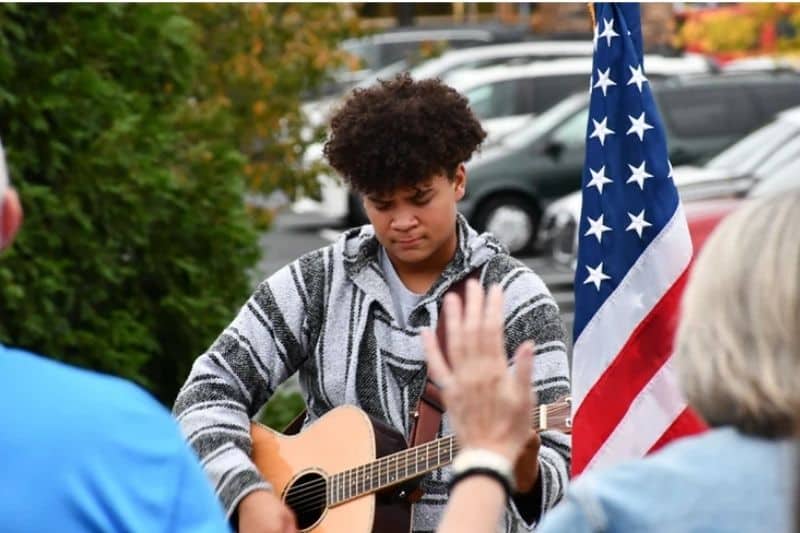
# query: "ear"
{"type": "Point", "coordinates": [460, 181]}
{"type": "Point", "coordinates": [10, 217]}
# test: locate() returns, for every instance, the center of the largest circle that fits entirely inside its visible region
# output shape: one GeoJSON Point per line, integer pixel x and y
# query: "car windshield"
{"type": "Point", "coordinates": [787, 152]}
{"type": "Point", "coordinates": [787, 178]}
{"type": "Point", "coordinates": [366, 51]}
{"type": "Point", "coordinates": [542, 124]}
{"type": "Point", "coordinates": [746, 155]}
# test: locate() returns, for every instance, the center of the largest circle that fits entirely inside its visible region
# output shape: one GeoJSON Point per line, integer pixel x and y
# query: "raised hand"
{"type": "Point", "coordinates": [488, 406]}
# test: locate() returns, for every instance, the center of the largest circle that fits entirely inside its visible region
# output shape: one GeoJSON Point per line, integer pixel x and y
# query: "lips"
{"type": "Point", "coordinates": [408, 242]}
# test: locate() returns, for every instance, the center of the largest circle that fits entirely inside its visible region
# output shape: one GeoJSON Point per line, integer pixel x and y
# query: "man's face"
{"type": "Point", "coordinates": [416, 225]}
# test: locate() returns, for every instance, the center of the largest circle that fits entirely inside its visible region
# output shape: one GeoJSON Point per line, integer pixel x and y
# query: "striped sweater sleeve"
{"type": "Point", "coordinates": [229, 383]}
{"type": "Point", "coordinates": [532, 314]}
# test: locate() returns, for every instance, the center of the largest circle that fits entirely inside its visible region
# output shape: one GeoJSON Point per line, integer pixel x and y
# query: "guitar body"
{"type": "Point", "coordinates": [298, 467]}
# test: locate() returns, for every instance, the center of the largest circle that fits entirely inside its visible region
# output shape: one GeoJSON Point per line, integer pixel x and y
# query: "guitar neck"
{"type": "Point", "coordinates": [414, 462]}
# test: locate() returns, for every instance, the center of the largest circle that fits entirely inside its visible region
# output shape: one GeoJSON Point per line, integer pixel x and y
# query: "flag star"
{"type": "Point", "coordinates": [596, 228]}
{"type": "Point", "coordinates": [638, 223]}
{"type": "Point", "coordinates": [601, 130]}
{"type": "Point", "coordinates": [599, 179]}
{"type": "Point", "coordinates": [637, 77]}
{"type": "Point", "coordinates": [596, 275]}
{"type": "Point", "coordinates": [604, 80]}
{"type": "Point", "coordinates": [596, 36]}
{"type": "Point", "coordinates": [638, 126]}
{"type": "Point", "coordinates": [638, 175]}
{"type": "Point", "coordinates": [670, 170]}
{"type": "Point", "coordinates": [608, 31]}
{"type": "Point", "coordinates": [637, 300]}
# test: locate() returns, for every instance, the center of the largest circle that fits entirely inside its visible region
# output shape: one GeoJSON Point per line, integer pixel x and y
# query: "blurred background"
{"type": "Point", "coordinates": [168, 157]}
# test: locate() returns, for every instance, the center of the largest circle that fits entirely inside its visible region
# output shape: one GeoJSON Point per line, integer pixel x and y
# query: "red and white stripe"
{"type": "Point", "coordinates": [626, 401]}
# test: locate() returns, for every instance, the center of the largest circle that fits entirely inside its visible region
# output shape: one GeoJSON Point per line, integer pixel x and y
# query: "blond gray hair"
{"type": "Point", "coordinates": [738, 342]}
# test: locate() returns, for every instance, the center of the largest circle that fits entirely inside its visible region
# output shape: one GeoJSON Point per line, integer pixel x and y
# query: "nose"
{"type": "Point", "coordinates": [404, 220]}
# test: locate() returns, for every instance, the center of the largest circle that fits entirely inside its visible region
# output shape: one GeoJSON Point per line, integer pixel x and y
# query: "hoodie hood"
{"type": "Point", "coordinates": [359, 247]}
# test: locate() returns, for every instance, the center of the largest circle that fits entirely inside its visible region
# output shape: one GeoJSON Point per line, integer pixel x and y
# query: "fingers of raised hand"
{"type": "Point", "coordinates": [438, 368]}
{"type": "Point", "coordinates": [453, 311]}
{"type": "Point", "coordinates": [473, 319]}
{"type": "Point", "coordinates": [492, 338]}
{"type": "Point", "coordinates": [523, 366]}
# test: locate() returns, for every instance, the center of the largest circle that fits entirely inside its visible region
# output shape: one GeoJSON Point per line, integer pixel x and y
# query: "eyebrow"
{"type": "Point", "coordinates": [420, 191]}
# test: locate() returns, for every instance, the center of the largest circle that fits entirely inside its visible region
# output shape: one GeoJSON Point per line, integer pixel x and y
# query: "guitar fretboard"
{"type": "Point", "coordinates": [391, 470]}
{"type": "Point", "coordinates": [408, 464]}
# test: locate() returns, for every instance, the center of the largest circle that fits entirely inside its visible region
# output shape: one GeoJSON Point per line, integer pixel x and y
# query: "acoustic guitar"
{"type": "Point", "coordinates": [350, 473]}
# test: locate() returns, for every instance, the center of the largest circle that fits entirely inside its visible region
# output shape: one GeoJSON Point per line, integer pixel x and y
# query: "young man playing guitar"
{"type": "Point", "coordinates": [348, 317]}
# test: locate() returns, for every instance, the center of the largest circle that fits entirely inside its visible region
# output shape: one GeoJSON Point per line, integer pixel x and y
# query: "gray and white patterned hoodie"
{"type": "Point", "coordinates": [329, 316]}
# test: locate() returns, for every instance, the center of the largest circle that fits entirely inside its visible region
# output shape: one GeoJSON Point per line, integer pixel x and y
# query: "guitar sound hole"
{"type": "Point", "coordinates": [307, 498]}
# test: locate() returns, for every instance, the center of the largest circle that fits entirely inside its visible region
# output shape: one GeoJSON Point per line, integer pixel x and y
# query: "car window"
{"type": "Point", "coordinates": [572, 133]}
{"type": "Point", "coordinates": [786, 152]}
{"type": "Point", "coordinates": [367, 52]}
{"type": "Point", "coordinates": [393, 52]}
{"type": "Point", "coordinates": [547, 91]}
{"type": "Point", "coordinates": [542, 124]}
{"type": "Point", "coordinates": [493, 99]}
{"type": "Point", "coordinates": [749, 152]}
{"type": "Point", "coordinates": [776, 97]}
{"type": "Point", "coordinates": [696, 112]}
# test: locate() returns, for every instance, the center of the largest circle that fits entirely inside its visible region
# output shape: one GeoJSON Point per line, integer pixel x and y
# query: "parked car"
{"type": "Point", "coordinates": [761, 162]}
{"type": "Point", "coordinates": [382, 49]}
{"type": "Point", "coordinates": [511, 184]}
{"type": "Point", "coordinates": [703, 216]}
{"type": "Point", "coordinates": [335, 202]}
{"type": "Point", "coordinates": [504, 97]}
{"type": "Point", "coordinates": [506, 182]}
{"type": "Point", "coordinates": [452, 61]}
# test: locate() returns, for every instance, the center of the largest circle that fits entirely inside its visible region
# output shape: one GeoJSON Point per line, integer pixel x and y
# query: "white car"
{"type": "Point", "coordinates": [318, 111]}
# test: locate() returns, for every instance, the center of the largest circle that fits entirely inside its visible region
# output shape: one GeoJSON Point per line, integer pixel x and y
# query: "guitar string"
{"type": "Point", "coordinates": [386, 461]}
{"type": "Point", "coordinates": [398, 465]}
{"type": "Point", "coordinates": [306, 491]}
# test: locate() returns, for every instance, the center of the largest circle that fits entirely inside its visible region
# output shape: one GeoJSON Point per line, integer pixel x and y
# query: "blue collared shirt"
{"type": "Point", "coordinates": [717, 481]}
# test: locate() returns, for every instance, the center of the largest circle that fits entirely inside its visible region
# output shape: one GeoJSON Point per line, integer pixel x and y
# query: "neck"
{"type": "Point", "coordinates": [419, 277]}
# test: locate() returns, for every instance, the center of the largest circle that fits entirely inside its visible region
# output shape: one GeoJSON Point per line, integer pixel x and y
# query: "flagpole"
{"type": "Point", "coordinates": [590, 5]}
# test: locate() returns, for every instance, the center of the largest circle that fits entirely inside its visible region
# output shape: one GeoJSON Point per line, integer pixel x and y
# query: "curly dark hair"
{"type": "Point", "coordinates": [401, 132]}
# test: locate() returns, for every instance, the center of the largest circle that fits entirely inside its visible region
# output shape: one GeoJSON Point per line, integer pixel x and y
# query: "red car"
{"type": "Point", "coordinates": [704, 215]}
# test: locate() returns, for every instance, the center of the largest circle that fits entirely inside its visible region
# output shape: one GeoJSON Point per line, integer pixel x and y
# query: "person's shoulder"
{"type": "Point", "coordinates": [658, 492]}
{"type": "Point", "coordinates": [61, 392]}
{"type": "Point", "coordinates": [513, 275]}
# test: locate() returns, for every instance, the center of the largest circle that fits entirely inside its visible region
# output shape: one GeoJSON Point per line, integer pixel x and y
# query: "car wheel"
{"type": "Point", "coordinates": [511, 219]}
{"type": "Point", "coordinates": [356, 216]}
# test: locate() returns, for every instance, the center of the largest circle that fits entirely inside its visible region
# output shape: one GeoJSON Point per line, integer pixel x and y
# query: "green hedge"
{"type": "Point", "coordinates": [136, 245]}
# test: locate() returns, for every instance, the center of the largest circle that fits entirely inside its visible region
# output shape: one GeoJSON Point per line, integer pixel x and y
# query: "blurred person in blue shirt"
{"type": "Point", "coordinates": [87, 452]}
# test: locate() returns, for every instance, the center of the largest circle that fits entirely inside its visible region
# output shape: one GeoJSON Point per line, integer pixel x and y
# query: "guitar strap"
{"type": "Point", "coordinates": [427, 418]}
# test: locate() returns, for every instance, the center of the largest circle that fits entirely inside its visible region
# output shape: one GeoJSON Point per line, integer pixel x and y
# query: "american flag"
{"type": "Point", "coordinates": [634, 251]}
